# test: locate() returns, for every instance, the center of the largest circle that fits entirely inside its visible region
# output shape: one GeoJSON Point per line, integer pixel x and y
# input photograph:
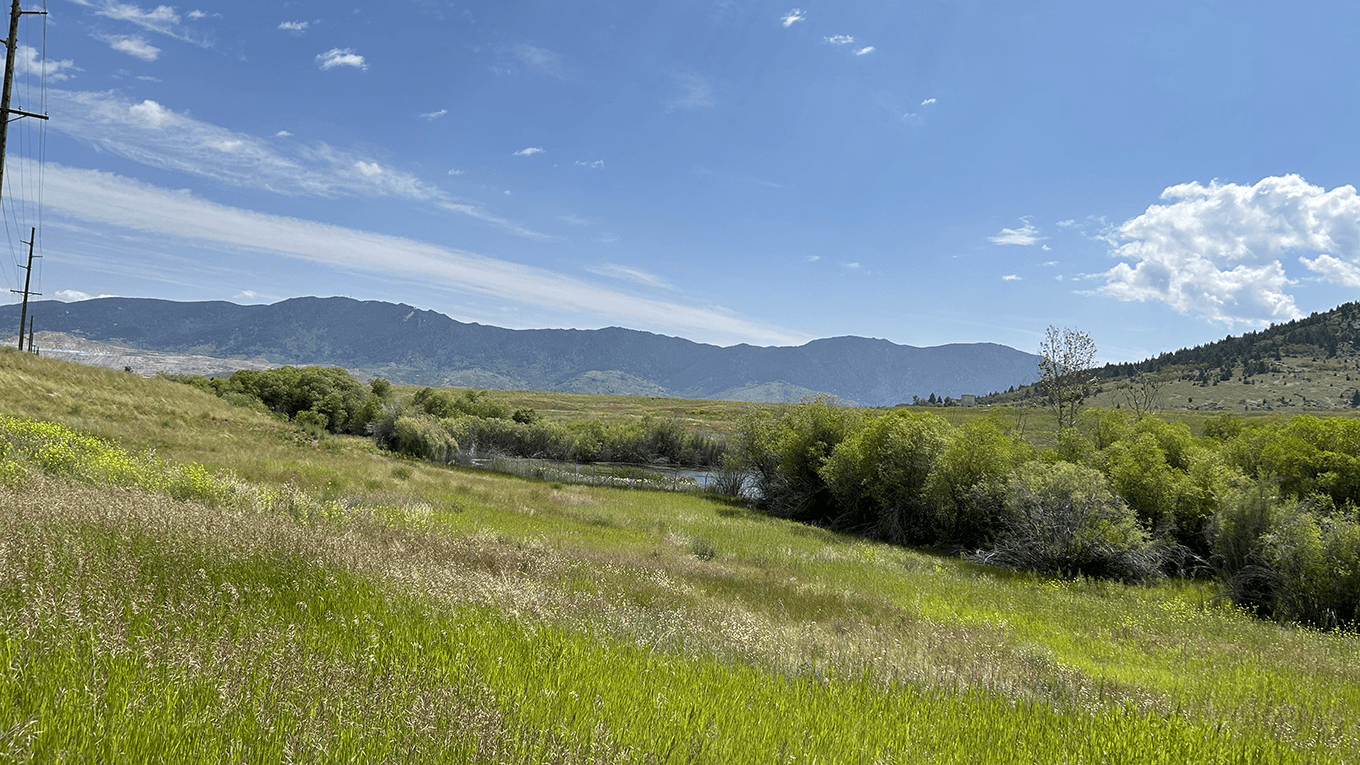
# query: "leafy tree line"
{"type": "Point", "coordinates": [1269, 508]}
{"type": "Point", "coordinates": [439, 424]}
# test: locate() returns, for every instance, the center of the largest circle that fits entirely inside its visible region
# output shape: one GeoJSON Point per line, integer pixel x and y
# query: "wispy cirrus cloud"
{"type": "Point", "coordinates": [594, 165]}
{"type": "Point", "coordinates": [792, 17]}
{"type": "Point", "coordinates": [159, 137]}
{"type": "Point", "coordinates": [163, 19]}
{"type": "Point", "coordinates": [866, 50]}
{"type": "Point", "coordinates": [341, 57]}
{"type": "Point", "coordinates": [135, 208]}
{"type": "Point", "coordinates": [694, 92]}
{"type": "Point", "coordinates": [630, 274]}
{"type": "Point", "coordinates": [1217, 251]}
{"type": "Point", "coordinates": [530, 151]}
{"type": "Point", "coordinates": [432, 116]}
{"type": "Point", "coordinates": [543, 61]}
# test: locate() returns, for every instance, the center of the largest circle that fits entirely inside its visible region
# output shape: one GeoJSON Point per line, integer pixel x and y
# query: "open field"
{"type": "Point", "coordinates": [320, 600]}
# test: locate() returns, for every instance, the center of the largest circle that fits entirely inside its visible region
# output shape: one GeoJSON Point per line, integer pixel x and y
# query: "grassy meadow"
{"type": "Point", "coordinates": [182, 580]}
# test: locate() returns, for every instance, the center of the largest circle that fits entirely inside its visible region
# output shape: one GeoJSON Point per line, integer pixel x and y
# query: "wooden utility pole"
{"type": "Point", "coordinates": [28, 277]}
{"type": "Point", "coordinates": [11, 47]}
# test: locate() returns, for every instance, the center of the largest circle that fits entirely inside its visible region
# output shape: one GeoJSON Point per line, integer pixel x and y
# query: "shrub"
{"type": "Point", "coordinates": [424, 437]}
{"type": "Point", "coordinates": [878, 475]}
{"type": "Point", "coordinates": [786, 456]}
{"type": "Point", "coordinates": [1065, 519]}
{"type": "Point", "coordinates": [968, 484]}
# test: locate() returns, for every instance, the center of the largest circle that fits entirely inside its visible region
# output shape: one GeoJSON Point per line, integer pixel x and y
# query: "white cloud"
{"type": "Point", "coordinates": [368, 169]}
{"type": "Point", "coordinates": [27, 60]}
{"type": "Point", "coordinates": [1046, 248]}
{"type": "Point", "coordinates": [1049, 263]}
{"type": "Point", "coordinates": [283, 134]}
{"type": "Point", "coordinates": [150, 114]}
{"type": "Point", "coordinates": [851, 266]}
{"type": "Point", "coordinates": [457, 172]}
{"type": "Point", "coordinates": [106, 199]}
{"type": "Point", "coordinates": [840, 39]}
{"type": "Point", "coordinates": [544, 60]}
{"type": "Point", "coordinates": [294, 26]}
{"type": "Point", "coordinates": [72, 296]}
{"type": "Point", "coordinates": [245, 295]}
{"type": "Point", "coordinates": [813, 258]}
{"type": "Point", "coordinates": [1215, 251]}
{"type": "Point", "coordinates": [133, 45]}
{"type": "Point", "coordinates": [1025, 235]}
{"type": "Point", "coordinates": [159, 137]}
{"type": "Point", "coordinates": [928, 102]}
{"type": "Point", "coordinates": [432, 116]}
{"type": "Point", "coordinates": [865, 50]}
{"type": "Point", "coordinates": [340, 57]}
{"type": "Point", "coordinates": [1069, 223]}
{"type": "Point", "coordinates": [594, 165]}
{"type": "Point", "coordinates": [1334, 270]}
{"type": "Point", "coordinates": [530, 151]}
{"type": "Point", "coordinates": [695, 93]}
{"type": "Point", "coordinates": [792, 17]}
{"type": "Point", "coordinates": [162, 19]}
{"type": "Point", "coordinates": [1010, 278]}
{"type": "Point", "coordinates": [626, 273]}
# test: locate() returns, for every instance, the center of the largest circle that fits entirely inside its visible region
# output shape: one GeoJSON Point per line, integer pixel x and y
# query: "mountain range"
{"type": "Point", "coordinates": [413, 346]}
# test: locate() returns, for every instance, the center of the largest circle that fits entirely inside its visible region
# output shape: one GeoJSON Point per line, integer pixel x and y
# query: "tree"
{"type": "Point", "coordinates": [1065, 372]}
{"type": "Point", "coordinates": [1143, 392]}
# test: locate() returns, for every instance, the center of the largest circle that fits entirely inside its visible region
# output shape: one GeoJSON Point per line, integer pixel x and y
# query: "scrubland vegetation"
{"type": "Point", "coordinates": [186, 580]}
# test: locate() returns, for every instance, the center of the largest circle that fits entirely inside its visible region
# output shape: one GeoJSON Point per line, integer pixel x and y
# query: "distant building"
{"type": "Point", "coordinates": [968, 399]}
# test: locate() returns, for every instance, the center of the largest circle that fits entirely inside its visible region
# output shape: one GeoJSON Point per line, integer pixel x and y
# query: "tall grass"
{"type": "Point", "coordinates": [332, 603]}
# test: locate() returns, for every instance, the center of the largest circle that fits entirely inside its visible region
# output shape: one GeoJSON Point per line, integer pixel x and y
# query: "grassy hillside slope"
{"type": "Point", "coordinates": [320, 601]}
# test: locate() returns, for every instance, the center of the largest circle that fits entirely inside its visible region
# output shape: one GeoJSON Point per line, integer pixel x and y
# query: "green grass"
{"type": "Point", "coordinates": [322, 601]}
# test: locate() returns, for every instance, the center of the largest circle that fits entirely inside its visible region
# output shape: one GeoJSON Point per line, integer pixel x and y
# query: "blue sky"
{"type": "Point", "coordinates": [1158, 174]}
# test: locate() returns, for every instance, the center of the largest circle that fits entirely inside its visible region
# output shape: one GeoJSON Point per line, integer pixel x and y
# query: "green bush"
{"type": "Point", "coordinates": [968, 484]}
{"type": "Point", "coordinates": [1065, 519]}
{"type": "Point", "coordinates": [878, 475]}
{"type": "Point", "coordinates": [786, 455]}
{"type": "Point", "coordinates": [424, 437]}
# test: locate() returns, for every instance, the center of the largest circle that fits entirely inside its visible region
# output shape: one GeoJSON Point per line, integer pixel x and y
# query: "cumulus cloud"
{"type": "Point", "coordinates": [283, 134]}
{"type": "Point", "coordinates": [530, 151]}
{"type": "Point", "coordinates": [245, 295]}
{"type": "Point", "coordinates": [865, 50]}
{"type": "Point", "coordinates": [1025, 235]}
{"type": "Point", "coordinates": [1010, 278]}
{"type": "Point", "coordinates": [154, 135]}
{"type": "Point", "coordinates": [840, 39]}
{"type": "Point", "coordinates": [196, 15]}
{"type": "Point", "coordinates": [72, 296]}
{"type": "Point", "coordinates": [340, 57]}
{"type": "Point", "coordinates": [133, 45]}
{"type": "Point", "coordinates": [1215, 251]}
{"type": "Point", "coordinates": [456, 172]}
{"type": "Point", "coordinates": [294, 26]}
{"type": "Point", "coordinates": [695, 93]}
{"type": "Point", "coordinates": [792, 17]}
{"type": "Point", "coordinates": [928, 102]}
{"type": "Point", "coordinates": [432, 116]}
{"type": "Point", "coordinates": [1069, 223]}
{"type": "Point", "coordinates": [27, 60]}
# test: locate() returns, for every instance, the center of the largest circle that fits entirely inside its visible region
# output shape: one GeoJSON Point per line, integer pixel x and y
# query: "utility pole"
{"type": "Point", "coordinates": [28, 277]}
{"type": "Point", "coordinates": [11, 47]}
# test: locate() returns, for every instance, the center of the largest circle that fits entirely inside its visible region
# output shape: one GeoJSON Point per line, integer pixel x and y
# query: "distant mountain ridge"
{"type": "Point", "coordinates": [413, 346]}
